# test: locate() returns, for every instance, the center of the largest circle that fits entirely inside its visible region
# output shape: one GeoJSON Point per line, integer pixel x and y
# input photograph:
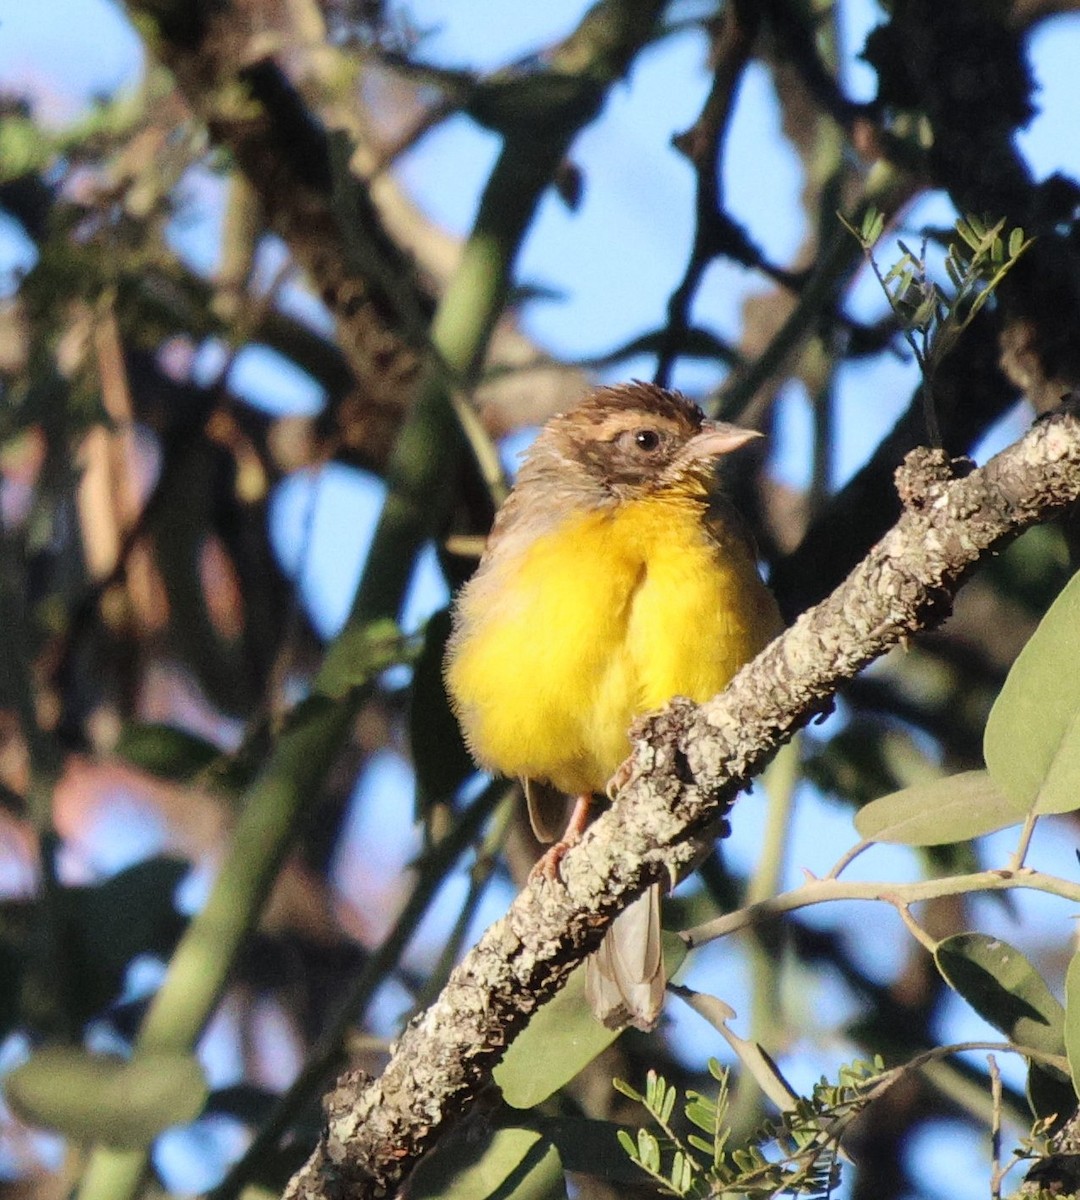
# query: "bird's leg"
{"type": "Point", "coordinates": [547, 867]}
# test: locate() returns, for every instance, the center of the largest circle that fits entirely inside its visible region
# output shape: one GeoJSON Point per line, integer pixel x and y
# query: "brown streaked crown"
{"type": "Point", "coordinates": [617, 440]}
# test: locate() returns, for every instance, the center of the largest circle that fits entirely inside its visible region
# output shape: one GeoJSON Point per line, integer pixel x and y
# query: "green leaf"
{"type": "Point", "coordinates": [971, 230]}
{"type": "Point", "coordinates": [702, 1113]}
{"type": "Point", "coordinates": [1072, 1020]}
{"type": "Point", "coordinates": [873, 223]}
{"type": "Point", "coordinates": [668, 1106]}
{"type": "Point", "coordinates": [1016, 242]}
{"type": "Point", "coordinates": [897, 269]}
{"type": "Point", "coordinates": [1003, 988]}
{"type": "Point", "coordinates": [92, 1098]}
{"type": "Point", "coordinates": [1049, 1092]}
{"type": "Point", "coordinates": [23, 149]}
{"type": "Point", "coordinates": [438, 750]}
{"type": "Point", "coordinates": [562, 1038]}
{"type": "Point", "coordinates": [955, 808]}
{"type": "Point", "coordinates": [1032, 738]}
{"type": "Point", "coordinates": [165, 751]}
{"type": "Point", "coordinates": [648, 1151]}
{"type": "Point", "coordinates": [507, 1164]}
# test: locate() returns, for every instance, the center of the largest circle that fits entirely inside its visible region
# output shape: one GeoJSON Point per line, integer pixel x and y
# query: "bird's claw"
{"type": "Point", "coordinates": [621, 778]}
{"type": "Point", "coordinates": [547, 866]}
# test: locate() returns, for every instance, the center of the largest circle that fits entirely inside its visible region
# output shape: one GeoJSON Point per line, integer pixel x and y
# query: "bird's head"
{"type": "Point", "coordinates": [627, 442]}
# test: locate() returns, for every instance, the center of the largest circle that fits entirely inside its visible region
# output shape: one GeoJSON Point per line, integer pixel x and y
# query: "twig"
{"type": "Point", "coordinates": [1016, 862]}
{"type": "Point", "coordinates": [846, 859]}
{"type": "Point", "coordinates": [996, 1173]}
{"type": "Point", "coordinates": [828, 890]}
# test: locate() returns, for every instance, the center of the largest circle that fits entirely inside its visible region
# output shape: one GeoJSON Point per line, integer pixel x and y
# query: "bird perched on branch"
{"type": "Point", "coordinates": [616, 576]}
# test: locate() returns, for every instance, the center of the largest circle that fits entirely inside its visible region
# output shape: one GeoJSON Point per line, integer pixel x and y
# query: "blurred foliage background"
{"type": "Point", "coordinates": [224, 816]}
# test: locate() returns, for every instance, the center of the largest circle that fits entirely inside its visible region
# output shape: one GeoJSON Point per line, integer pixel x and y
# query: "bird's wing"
{"type": "Point", "coordinates": [547, 809]}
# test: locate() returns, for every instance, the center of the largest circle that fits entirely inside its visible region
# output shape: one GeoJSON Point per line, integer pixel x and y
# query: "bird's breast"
{"type": "Point", "coordinates": [563, 640]}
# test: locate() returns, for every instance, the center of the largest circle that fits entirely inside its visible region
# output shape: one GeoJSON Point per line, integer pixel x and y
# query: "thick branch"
{"type": "Point", "coordinates": [688, 764]}
{"type": "Point", "coordinates": [227, 74]}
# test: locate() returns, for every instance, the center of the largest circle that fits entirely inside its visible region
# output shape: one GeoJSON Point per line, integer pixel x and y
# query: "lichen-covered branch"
{"type": "Point", "coordinates": [688, 763]}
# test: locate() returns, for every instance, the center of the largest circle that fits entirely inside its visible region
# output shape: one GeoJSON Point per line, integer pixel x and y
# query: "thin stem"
{"type": "Point", "coordinates": [824, 891]}
{"type": "Point", "coordinates": [847, 858]}
{"type": "Point", "coordinates": [1016, 862]}
{"type": "Point", "coordinates": [913, 927]}
{"type": "Point", "coordinates": [996, 1173]}
{"type": "Point", "coordinates": [749, 1053]}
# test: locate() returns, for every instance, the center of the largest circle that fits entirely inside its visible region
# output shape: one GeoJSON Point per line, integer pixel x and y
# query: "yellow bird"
{"type": "Point", "coordinates": [616, 577]}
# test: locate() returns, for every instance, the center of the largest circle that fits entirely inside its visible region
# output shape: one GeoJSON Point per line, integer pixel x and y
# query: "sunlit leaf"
{"type": "Point", "coordinates": [1032, 738]}
{"type": "Point", "coordinates": [93, 1098]}
{"type": "Point", "coordinates": [873, 223]}
{"type": "Point", "coordinates": [954, 808]}
{"type": "Point", "coordinates": [562, 1038]}
{"type": "Point", "coordinates": [972, 231]}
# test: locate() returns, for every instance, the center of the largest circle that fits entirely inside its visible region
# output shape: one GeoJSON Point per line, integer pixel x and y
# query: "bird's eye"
{"type": "Point", "coordinates": [646, 439]}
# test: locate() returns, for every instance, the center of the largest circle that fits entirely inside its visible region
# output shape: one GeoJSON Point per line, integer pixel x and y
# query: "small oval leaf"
{"type": "Point", "coordinates": [1032, 739]}
{"type": "Point", "coordinates": [955, 808]}
{"type": "Point", "coordinates": [95, 1098]}
{"type": "Point", "coordinates": [1003, 988]}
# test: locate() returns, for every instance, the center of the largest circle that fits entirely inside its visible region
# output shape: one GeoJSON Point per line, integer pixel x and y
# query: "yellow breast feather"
{"type": "Point", "coordinates": [606, 617]}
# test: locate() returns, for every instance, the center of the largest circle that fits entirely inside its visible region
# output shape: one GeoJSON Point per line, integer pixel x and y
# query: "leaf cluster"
{"type": "Point", "coordinates": [797, 1154]}
{"type": "Point", "coordinates": [932, 315]}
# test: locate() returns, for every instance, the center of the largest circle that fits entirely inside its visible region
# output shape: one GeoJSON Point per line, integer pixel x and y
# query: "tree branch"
{"type": "Point", "coordinates": [688, 763]}
{"type": "Point", "coordinates": [829, 890]}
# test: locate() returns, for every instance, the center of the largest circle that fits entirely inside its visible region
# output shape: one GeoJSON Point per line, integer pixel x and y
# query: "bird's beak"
{"type": "Point", "coordinates": [716, 438]}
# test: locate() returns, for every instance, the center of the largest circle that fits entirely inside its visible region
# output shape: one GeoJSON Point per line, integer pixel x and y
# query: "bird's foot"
{"type": "Point", "coordinates": [547, 866]}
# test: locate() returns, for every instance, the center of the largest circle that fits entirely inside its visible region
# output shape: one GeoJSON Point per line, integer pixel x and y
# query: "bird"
{"type": "Point", "coordinates": [616, 576]}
